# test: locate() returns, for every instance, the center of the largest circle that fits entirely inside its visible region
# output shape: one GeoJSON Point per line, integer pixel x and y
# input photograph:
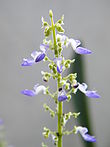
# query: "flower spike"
{"type": "Point", "coordinates": [66, 85]}
{"type": "Point", "coordinates": [37, 89]}
{"type": "Point", "coordinates": [83, 131]}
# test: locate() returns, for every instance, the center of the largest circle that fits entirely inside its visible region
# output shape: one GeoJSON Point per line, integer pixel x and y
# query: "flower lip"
{"type": "Point", "coordinates": [89, 138]}
{"type": "Point", "coordinates": [92, 94]}
{"type": "Point", "coordinates": [81, 50]}
{"type": "Point", "coordinates": [28, 92]}
{"type": "Point", "coordinates": [27, 62]}
{"type": "Point", "coordinates": [40, 57]}
{"type": "Point", "coordinates": [62, 98]}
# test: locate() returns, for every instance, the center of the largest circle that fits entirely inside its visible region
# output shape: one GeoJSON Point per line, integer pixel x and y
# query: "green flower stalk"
{"type": "Point", "coordinates": [66, 85]}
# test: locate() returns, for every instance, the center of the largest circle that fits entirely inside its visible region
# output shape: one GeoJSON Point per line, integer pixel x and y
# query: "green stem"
{"type": "Point", "coordinates": [54, 36]}
{"type": "Point", "coordinates": [60, 104]}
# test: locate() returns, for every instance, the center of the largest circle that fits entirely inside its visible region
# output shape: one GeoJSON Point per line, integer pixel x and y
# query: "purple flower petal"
{"type": "Point", "coordinates": [58, 63]}
{"type": "Point", "coordinates": [81, 50]}
{"type": "Point", "coordinates": [62, 98]}
{"type": "Point", "coordinates": [40, 57]}
{"type": "Point", "coordinates": [89, 138]}
{"type": "Point", "coordinates": [59, 69]}
{"type": "Point", "coordinates": [28, 92]}
{"type": "Point", "coordinates": [92, 94]}
{"type": "Point", "coordinates": [83, 131]}
{"type": "Point", "coordinates": [27, 62]}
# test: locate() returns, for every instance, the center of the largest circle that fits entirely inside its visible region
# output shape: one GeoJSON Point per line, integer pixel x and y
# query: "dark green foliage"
{"type": "Point", "coordinates": [80, 101]}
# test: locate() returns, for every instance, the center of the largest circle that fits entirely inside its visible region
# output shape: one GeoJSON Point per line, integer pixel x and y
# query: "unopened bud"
{"type": "Point", "coordinates": [50, 13]}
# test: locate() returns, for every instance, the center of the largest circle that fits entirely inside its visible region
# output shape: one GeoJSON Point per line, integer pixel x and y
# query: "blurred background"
{"type": "Point", "coordinates": [21, 33]}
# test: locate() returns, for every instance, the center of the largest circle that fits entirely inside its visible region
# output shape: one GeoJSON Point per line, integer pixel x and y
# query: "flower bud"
{"type": "Point", "coordinates": [47, 31]}
{"type": "Point", "coordinates": [59, 44]}
{"type": "Point", "coordinates": [50, 13]}
{"type": "Point", "coordinates": [68, 97]}
{"type": "Point", "coordinates": [46, 58]}
{"type": "Point", "coordinates": [59, 50]}
{"type": "Point", "coordinates": [54, 70]}
{"type": "Point", "coordinates": [45, 24]}
{"type": "Point", "coordinates": [67, 65]}
{"type": "Point", "coordinates": [58, 39]}
{"type": "Point", "coordinates": [67, 86]}
{"type": "Point", "coordinates": [52, 114]}
{"type": "Point", "coordinates": [75, 115]}
{"type": "Point", "coordinates": [50, 66]}
{"type": "Point", "coordinates": [59, 28]}
{"type": "Point", "coordinates": [46, 133]}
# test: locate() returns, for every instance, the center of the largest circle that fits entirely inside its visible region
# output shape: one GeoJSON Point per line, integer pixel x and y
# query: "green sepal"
{"type": "Point", "coordinates": [74, 129]}
{"type": "Point", "coordinates": [44, 145]}
{"type": "Point", "coordinates": [72, 77]}
{"type": "Point", "coordinates": [47, 108]}
{"type": "Point", "coordinates": [48, 31]}
{"type": "Point", "coordinates": [44, 23]}
{"type": "Point", "coordinates": [59, 28]}
{"type": "Point", "coordinates": [75, 115]}
{"type": "Point", "coordinates": [68, 98]}
{"type": "Point", "coordinates": [46, 133]}
{"type": "Point", "coordinates": [60, 50]}
{"type": "Point", "coordinates": [60, 21]}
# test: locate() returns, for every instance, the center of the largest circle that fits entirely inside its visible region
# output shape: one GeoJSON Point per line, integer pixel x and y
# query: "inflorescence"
{"type": "Point", "coordinates": [65, 85]}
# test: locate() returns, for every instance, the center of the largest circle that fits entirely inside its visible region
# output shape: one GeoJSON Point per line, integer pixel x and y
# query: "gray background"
{"type": "Point", "coordinates": [20, 34]}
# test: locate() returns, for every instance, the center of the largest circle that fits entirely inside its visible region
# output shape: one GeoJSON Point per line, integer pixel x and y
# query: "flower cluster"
{"type": "Point", "coordinates": [65, 85]}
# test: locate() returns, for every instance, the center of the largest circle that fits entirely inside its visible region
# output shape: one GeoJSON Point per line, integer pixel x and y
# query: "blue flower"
{"type": "Point", "coordinates": [58, 62]}
{"type": "Point", "coordinates": [91, 94]}
{"type": "Point", "coordinates": [37, 89]}
{"type": "Point", "coordinates": [36, 56]}
{"type": "Point", "coordinates": [83, 131]}
{"type": "Point", "coordinates": [62, 96]}
{"type": "Point", "coordinates": [79, 50]}
{"type": "Point", "coordinates": [74, 43]}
